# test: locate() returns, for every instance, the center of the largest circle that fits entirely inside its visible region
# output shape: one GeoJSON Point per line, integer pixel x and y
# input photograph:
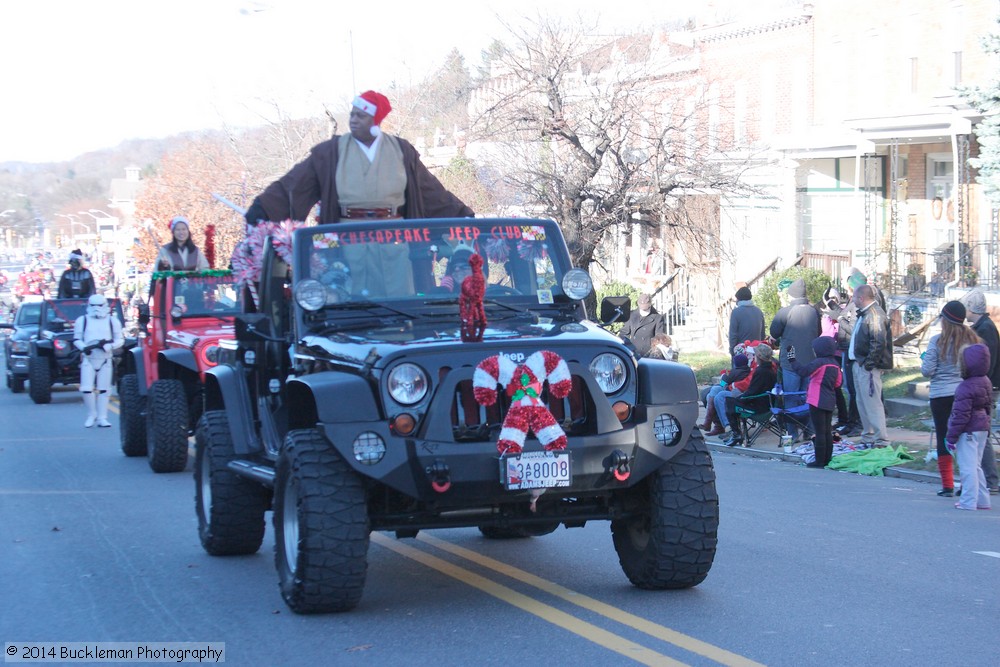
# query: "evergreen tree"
{"type": "Point", "coordinates": [986, 98]}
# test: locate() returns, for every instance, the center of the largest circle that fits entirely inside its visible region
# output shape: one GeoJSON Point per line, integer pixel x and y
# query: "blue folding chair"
{"type": "Point", "coordinates": [790, 408]}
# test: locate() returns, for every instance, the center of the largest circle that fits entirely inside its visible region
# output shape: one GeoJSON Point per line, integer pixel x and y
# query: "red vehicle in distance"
{"type": "Point", "coordinates": [160, 392]}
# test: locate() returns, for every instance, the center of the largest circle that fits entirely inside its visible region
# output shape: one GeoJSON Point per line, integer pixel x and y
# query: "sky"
{"type": "Point", "coordinates": [82, 75]}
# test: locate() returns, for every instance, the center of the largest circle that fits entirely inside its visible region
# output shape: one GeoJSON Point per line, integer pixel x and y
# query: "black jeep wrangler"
{"type": "Point", "coordinates": [349, 403]}
{"type": "Point", "coordinates": [52, 356]}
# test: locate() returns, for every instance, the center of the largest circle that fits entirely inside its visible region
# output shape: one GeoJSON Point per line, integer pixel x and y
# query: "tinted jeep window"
{"type": "Point", "coordinates": [207, 295]}
{"type": "Point", "coordinates": [403, 260]}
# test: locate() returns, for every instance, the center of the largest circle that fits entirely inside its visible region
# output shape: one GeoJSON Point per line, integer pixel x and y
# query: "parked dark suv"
{"type": "Point", "coordinates": [17, 345]}
{"type": "Point", "coordinates": [350, 403]}
{"type": "Point", "coordinates": [53, 359]}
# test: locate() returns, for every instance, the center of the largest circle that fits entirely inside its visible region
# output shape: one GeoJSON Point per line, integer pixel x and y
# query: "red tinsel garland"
{"type": "Point", "coordinates": [210, 245]}
{"type": "Point", "coordinates": [470, 303]}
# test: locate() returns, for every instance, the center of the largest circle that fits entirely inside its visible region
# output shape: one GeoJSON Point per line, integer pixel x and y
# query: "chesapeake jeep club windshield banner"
{"type": "Point", "coordinates": [428, 235]}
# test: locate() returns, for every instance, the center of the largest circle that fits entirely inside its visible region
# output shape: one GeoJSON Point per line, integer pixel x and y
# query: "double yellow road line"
{"type": "Point", "coordinates": [589, 631]}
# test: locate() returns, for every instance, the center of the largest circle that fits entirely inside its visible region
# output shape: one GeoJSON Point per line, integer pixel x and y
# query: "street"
{"type": "Point", "coordinates": [814, 567]}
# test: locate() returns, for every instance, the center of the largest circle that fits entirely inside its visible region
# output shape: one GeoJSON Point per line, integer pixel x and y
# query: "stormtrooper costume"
{"type": "Point", "coordinates": [95, 365]}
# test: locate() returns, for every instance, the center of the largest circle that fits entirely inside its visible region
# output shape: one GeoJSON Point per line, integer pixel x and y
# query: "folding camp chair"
{"type": "Point", "coordinates": [753, 423]}
{"type": "Point", "coordinates": [790, 408]}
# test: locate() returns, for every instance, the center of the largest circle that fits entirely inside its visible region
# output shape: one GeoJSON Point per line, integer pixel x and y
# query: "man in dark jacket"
{"type": "Point", "coordinates": [365, 174]}
{"type": "Point", "coordinates": [796, 325]}
{"type": "Point", "coordinates": [746, 321]}
{"type": "Point", "coordinates": [643, 324]}
{"type": "Point", "coordinates": [977, 316]}
{"type": "Point", "coordinates": [871, 353]}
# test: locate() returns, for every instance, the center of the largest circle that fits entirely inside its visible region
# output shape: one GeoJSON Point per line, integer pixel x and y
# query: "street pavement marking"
{"type": "Point", "coordinates": [663, 633]}
{"type": "Point", "coordinates": [546, 612]}
{"type": "Point", "coordinates": [992, 554]}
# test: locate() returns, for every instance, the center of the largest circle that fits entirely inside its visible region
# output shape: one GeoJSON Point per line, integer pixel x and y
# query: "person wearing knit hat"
{"type": "Point", "coordinates": [181, 254]}
{"type": "Point", "coordinates": [366, 173]}
{"type": "Point", "coordinates": [754, 397]}
{"type": "Point", "coordinates": [76, 282]}
{"type": "Point", "coordinates": [940, 363]}
{"type": "Point", "coordinates": [746, 322]}
{"type": "Point", "coordinates": [713, 416]}
{"type": "Point", "coordinates": [978, 317]}
{"type": "Point", "coordinates": [798, 324]}
{"type": "Point", "coordinates": [954, 312]}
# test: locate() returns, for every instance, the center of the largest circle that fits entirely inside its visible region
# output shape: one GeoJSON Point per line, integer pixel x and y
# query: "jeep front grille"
{"type": "Point", "coordinates": [472, 422]}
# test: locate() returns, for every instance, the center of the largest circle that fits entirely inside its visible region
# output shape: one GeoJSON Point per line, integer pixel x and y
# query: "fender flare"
{"type": "Point", "coordinates": [134, 362]}
{"type": "Point", "coordinates": [320, 398]}
{"type": "Point", "coordinates": [666, 383]}
{"type": "Point", "coordinates": [226, 390]}
{"type": "Point", "coordinates": [177, 357]}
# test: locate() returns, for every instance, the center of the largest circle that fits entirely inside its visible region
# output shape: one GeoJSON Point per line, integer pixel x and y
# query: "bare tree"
{"type": "Point", "coordinates": [602, 133]}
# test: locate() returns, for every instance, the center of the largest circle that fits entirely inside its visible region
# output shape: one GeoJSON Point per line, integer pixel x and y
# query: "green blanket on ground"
{"type": "Point", "coordinates": [870, 461]}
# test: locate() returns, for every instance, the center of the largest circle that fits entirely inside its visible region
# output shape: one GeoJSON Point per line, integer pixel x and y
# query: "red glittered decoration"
{"type": "Point", "coordinates": [470, 303]}
{"type": "Point", "coordinates": [523, 384]}
{"type": "Point", "coordinates": [210, 245]}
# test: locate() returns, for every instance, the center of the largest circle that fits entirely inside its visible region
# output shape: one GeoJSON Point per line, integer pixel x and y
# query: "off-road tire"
{"type": "Point", "coordinates": [671, 541]}
{"type": "Point", "coordinates": [16, 384]}
{"type": "Point", "coordinates": [230, 508]}
{"type": "Point", "coordinates": [321, 527]}
{"type": "Point", "coordinates": [40, 380]}
{"type": "Point", "coordinates": [167, 426]}
{"type": "Point", "coordinates": [133, 423]}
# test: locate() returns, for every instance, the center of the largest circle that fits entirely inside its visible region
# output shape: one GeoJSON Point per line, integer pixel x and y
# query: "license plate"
{"type": "Point", "coordinates": [535, 470]}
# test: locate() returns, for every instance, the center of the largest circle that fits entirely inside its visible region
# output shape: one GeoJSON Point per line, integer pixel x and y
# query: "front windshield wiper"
{"type": "Point", "coordinates": [326, 327]}
{"type": "Point", "coordinates": [367, 305]}
{"type": "Point", "coordinates": [490, 302]}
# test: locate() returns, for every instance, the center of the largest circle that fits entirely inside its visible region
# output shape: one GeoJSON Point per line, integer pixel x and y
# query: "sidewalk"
{"type": "Point", "coordinates": [768, 446]}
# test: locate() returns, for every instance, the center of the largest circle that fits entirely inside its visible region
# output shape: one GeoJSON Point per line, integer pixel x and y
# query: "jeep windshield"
{"type": "Point", "coordinates": [206, 296]}
{"type": "Point", "coordinates": [359, 268]}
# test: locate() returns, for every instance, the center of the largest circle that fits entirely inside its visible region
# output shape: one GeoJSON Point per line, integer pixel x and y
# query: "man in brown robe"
{"type": "Point", "coordinates": [317, 178]}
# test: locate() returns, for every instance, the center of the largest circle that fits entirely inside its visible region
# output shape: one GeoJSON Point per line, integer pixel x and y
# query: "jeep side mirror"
{"type": "Point", "coordinates": [253, 327]}
{"type": "Point", "coordinates": [615, 309]}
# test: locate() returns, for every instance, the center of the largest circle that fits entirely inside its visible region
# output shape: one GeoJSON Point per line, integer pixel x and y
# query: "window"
{"type": "Point", "coordinates": [956, 68]}
{"type": "Point", "coordinates": [913, 75]}
{"type": "Point", "coordinates": [940, 175]}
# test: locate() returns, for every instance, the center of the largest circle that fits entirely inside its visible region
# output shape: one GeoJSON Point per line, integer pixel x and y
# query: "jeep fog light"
{"type": "Point", "coordinates": [369, 448]}
{"type": "Point", "coordinates": [407, 384]}
{"type": "Point", "coordinates": [666, 430]}
{"type": "Point", "coordinates": [576, 284]}
{"type": "Point", "coordinates": [310, 294]}
{"type": "Point", "coordinates": [609, 371]}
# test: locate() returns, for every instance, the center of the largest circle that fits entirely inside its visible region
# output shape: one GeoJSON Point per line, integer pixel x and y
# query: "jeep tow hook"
{"type": "Point", "coordinates": [616, 463]}
{"type": "Point", "coordinates": [440, 476]}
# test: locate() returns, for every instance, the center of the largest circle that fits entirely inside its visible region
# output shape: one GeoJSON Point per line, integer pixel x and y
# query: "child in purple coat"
{"type": "Point", "coordinates": [969, 425]}
{"type": "Point", "coordinates": [824, 379]}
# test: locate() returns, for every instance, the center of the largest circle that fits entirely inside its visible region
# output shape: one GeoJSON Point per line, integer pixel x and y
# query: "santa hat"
{"type": "Point", "coordinates": [375, 105]}
{"type": "Point", "coordinates": [179, 219]}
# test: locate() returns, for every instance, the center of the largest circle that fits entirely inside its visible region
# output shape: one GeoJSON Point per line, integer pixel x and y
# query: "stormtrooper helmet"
{"type": "Point", "coordinates": [97, 306]}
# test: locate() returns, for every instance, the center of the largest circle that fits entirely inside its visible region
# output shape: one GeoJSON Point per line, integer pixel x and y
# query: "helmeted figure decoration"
{"type": "Point", "coordinates": [523, 383]}
{"type": "Point", "coordinates": [96, 335]}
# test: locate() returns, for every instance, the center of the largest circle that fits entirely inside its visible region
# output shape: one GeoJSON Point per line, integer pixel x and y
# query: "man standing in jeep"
{"type": "Point", "coordinates": [364, 174]}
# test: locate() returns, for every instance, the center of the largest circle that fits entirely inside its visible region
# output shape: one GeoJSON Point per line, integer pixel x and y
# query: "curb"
{"type": "Point", "coordinates": [891, 471]}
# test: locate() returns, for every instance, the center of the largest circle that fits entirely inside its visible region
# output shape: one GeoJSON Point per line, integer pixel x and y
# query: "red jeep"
{"type": "Point", "coordinates": [160, 392]}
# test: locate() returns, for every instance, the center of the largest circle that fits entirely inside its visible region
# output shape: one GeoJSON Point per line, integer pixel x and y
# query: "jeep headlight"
{"type": "Point", "coordinates": [609, 371]}
{"type": "Point", "coordinates": [407, 384]}
{"type": "Point", "coordinates": [19, 347]}
{"type": "Point", "coordinates": [310, 294]}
